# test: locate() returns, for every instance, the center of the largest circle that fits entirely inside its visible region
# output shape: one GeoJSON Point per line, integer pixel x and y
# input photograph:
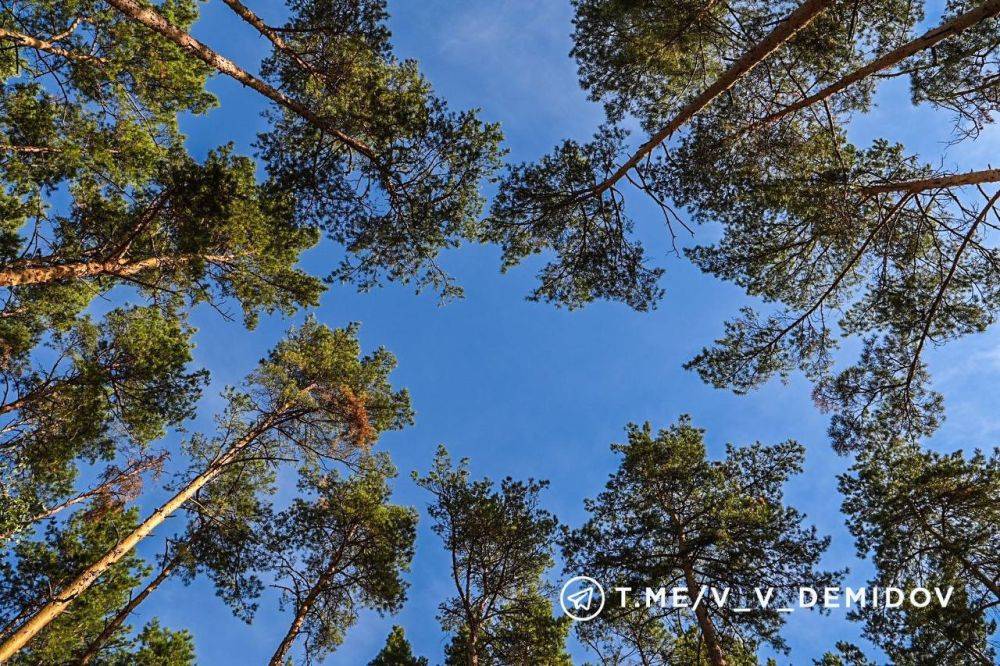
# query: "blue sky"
{"type": "Point", "coordinates": [524, 389]}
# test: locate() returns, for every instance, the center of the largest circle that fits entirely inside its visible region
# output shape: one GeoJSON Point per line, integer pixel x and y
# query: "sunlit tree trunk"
{"type": "Point", "coordinates": [301, 612]}
{"type": "Point", "coordinates": [56, 606]}
{"type": "Point", "coordinates": [788, 28]}
{"type": "Point", "coordinates": [46, 46]}
{"type": "Point", "coordinates": [156, 22]}
{"type": "Point", "coordinates": [936, 182]}
{"type": "Point", "coordinates": [35, 273]}
{"type": "Point", "coordinates": [119, 619]}
{"type": "Point", "coordinates": [894, 57]}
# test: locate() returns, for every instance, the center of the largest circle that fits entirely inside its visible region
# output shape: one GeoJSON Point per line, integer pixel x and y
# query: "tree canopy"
{"type": "Point", "coordinates": [670, 517]}
{"type": "Point", "coordinates": [734, 120]}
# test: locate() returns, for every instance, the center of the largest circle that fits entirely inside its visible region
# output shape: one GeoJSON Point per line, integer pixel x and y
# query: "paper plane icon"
{"type": "Point", "coordinates": [581, 600]}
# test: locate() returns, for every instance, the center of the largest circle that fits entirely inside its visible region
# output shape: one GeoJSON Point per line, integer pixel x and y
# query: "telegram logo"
{"type": "Point", "coordinates": [582, 598]}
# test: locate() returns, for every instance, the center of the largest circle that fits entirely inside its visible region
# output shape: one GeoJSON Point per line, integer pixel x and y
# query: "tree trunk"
{"type": "Point", "coordinates": [267, 31]}
{"type": "Point", "coordinates": [277, 659]}
{"type": "Point", "coordinates": [708, 633]}
{"type": "Point", "coordinates": [30, 396]}
{"type": "Point", "coordinates": [157, 23]}
{"type": "Point", "coordinates": [31, 150]}
{"type": "Point", "coordinates": [473, 646]}
{"type": "Point", "coordinates": [48, 47]}
{"type": "Point", "coordinates": [715, 653]}
{"type": "Point", "coordinates": [936, 182]}
{"type": "Point", "coordinates": [796, 21]}
{"type": "Point", "coordinates": [34, 273]}
{"type": "Point", "coordinates": [89, 576]}
{"type": "Point", "coordinates": [119, 619]}
{"type": "Point", "coordinates": [925, 41]}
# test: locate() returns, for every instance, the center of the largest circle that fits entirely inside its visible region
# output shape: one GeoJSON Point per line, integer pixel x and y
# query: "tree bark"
{"type": "Point", "coordinates": [30, 150]}
{"type": "Point", "coordinates": [267, 31]}
{"type": "Point", "coordinates": [936, 182]}
{"type": "Point", "coordinates": [715, 653]}
{"type": "Point", "coordinates": [119, 619]}
{"type": "Point", "coordinates": [792, 24]}
{"type": "Point", "coordinates": [708, 633]}
{"type": "Point", "coordinates": [32, 395]}
{"type": "Point", "coordinates": [48, 47]}
{"type": "Point", "coordinates": [473, 650]}
{"type": "Point", "coordinates": [35, 273]}
{"type": "Point", "coordinates": [157, 23]}
{"type": "Point", "coordinates": [277, 659]}
{"type": "Point", "coordinates": [55, 607]}
{"type": "Point", "coordinates": [925, 41]}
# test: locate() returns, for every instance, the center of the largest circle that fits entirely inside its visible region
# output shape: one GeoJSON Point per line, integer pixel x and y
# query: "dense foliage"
{"type": "Point", "coordinates": [732, 117]}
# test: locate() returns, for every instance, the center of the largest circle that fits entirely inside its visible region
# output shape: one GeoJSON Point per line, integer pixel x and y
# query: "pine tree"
{"type": "Point", "coordinates": [671, 516]}
{"type": "Point", "coordinates": [868, 240]}
{"type": "Point", "coordinates": [929, 519]}
{"type": "Point", "coordinates": [105, 389]}
{"type": "Point", "coordinates": [846, 655]}
{"type": "Point", "coordinates": [207, 231]}
{"type": "Point", "coordinates": [500, 543]}
{"type": "Point", "coordinates": [221, 542]}
{"type": "Point", "coordinates": [678, 67]}
{"type": "Point", "coordinates": [357, 136]}
{"type": "Point", "coordinates": [315, 397]}
{"type": "Point", "coordinates": [340, 548]}
{"type": "Point", "coordinates": [861, 264]}
{"type": "Point", "coordinates": [65, 550]}
{"type": "Point", "coordinates": [397, 651]}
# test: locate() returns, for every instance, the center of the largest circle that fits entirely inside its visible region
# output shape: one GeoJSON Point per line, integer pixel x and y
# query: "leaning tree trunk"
{"type": "Point", "coordinates": [157, 23]}
{"type": "Point", "coordinates": [36, 273]}
{"type": "Point", "coordinates": [119, 619]}
{"type": "Point", "coordinates": [47, 46]}
{"type": "Point", "coordinates": [302, 612]}
{"type": "Point", "coordinates": [935, 182]}
{"type": "Point", "coordinates": [788, 28]}
{"type": "Point", "coordinates": [55, 607]}
{"type": "Point", "coordinates": [894, 57]}
{"type": "Point", "coordinates": [708, 633]}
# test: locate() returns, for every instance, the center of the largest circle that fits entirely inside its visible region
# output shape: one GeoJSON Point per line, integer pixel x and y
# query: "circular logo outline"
{"type": "Point", "coordinates": [592, 583]}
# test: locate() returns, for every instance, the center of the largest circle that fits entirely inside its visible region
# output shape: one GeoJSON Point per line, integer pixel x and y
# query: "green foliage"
{"type": "Point", "coordinates": [397, 651]}
{"type": "Point", "coordinates": [846, 655]}
{"type": "Point", "coordinates": [500, 543]}
{"type": "Point", "coordinates": [205, 231]}
{"type": "Point", "coordinates": [417, 194]}
{"type": "Point", "coordinates": [161, 647]}
{"type": "Point", "coordinates": [670, 515]}
{"type": "Point", "coordinates": [862, 265]}
{"type": "Point", "coordinates": [960, 76]}
{"type": "Point", "coordinates": [526, 634]}
{"type": "Point", "coordinates": [128, 74]}
{"type": "Point", "coordinates": [340, 547]}
{"type": "Point", "coordinates": [222, 538]}
{"type": "Point", "coordinates": [648, 59]}
{"type": "Point", "coordinates": [114, 386]}
{"type": "Point", "coordinates": [529, 634]}
{"type": "Point", "coordinates": [546, 205]}
{"type": "Point", "coordinates": [322, 371]}
{"type": "Point", "coordinates": [646, 56]}
{"type": "Point", "coordinates": [929, 519]}
{"type": "Point", "coordinates": [42, 566]}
